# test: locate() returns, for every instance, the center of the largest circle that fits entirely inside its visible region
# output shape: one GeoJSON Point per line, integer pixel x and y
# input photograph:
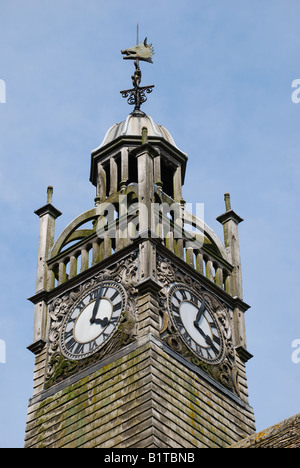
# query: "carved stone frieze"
{"type": "Point", "coordinates": [58, 367]}
{"type": "Point", "coordinates": [224, 372]}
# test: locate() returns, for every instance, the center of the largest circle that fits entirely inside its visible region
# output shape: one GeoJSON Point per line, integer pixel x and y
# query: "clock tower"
{"type": "Point", "coordinates": [139, 332]}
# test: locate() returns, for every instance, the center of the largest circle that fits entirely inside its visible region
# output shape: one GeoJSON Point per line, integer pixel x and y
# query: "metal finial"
{"type": "Point", "coordinates": [143, 52]}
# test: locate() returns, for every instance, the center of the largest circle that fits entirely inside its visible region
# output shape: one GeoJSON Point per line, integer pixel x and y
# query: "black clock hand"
{"type": "Point", "coordinates": [96, 306]}
{"type": "Point", "coordinates": [207, 338]}
{"type": "Point", "coordinates": [199, 314]}
{"type": "Point", "coordinates": [102, 322]}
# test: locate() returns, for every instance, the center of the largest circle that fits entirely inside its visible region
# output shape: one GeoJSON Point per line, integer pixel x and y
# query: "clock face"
{"type": "Point", "coordinates": [196, 323]}
{"type": "Point", "coordinates": [92, 320]}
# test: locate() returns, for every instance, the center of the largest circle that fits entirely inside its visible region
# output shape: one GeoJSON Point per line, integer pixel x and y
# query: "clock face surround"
{"type": "Point", "coordinates": [92, 320]}
{"type": "Point", "coordinates": [196, 323]}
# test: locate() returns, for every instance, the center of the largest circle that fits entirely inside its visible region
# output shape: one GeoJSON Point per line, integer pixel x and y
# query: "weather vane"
{"type": "Point", "coordinates": [142, 51]}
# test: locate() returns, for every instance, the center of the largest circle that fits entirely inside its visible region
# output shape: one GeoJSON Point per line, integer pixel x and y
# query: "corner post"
{"type": "Point", "coordinates": [145, 154]}
{"type": "Point", "coordinates": [47, 214]}
{"type": "Point", "coordinates": [230, 221]}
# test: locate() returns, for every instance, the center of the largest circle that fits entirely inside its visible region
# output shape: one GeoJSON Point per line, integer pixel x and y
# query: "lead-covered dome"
{"type": "Point", "coordinates": [128, 135]}
{"type": "Point", "coordinates": [133, 125]}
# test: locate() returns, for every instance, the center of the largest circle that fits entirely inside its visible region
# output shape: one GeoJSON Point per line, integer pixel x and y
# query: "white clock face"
{"type": "Point", "coordinates": [92, 320]}
{"type": "Point", "coordinates": [196, 323]}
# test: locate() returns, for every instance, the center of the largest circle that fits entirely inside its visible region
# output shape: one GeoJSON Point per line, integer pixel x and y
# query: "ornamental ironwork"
{"type": "Point", "coordinates": [136, 96]}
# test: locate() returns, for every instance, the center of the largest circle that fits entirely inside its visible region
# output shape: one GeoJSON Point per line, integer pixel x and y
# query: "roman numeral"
{"type": "Point", "coordinates": [81, 305]}
{"type": "Point", "coordinates": [178, 320]}
{"type": "Point", "coordinates": [199, 350]}
{"type": "Point", "coordinates": [113, 297]}
{"type": "Point", "coordinates": [105, 335]}
{"type": "Point", "coordinates": [92, 345]}
{"type": "Point", "coordinates": [176, 298]}
{"type": "Point", "coordinates": [104, 292]}
{"type": "Point", "coordinates": [117, 306]}
{"type": "Point", "coordinates": [71, 344]}
{"type": "Point", "coordinates": [183, 293]}
{"type": "Point", "coordinates": [93, 295]}
{"type": "Point", "coordinates": [212, 324]}
{"type": "Point", "coordinates": [68, 334]}
{"type": "Point", "coordinates": [194, 299]}
{"type": "Point", "coordinates": [216, 339]}
{"type": "Point", "coordinates": [187, 338]}
{"type": "Point", "coordinates": [79, 349]}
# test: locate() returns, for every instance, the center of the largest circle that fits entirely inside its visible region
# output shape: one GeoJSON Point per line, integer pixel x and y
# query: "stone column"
{"type": "Point", "coordinates": [157, 171]}
{"type": "Point", "coordinates": [124, 167]}
{"type": "Point", "coordinates": [101, 183]}
{"type": "Point", "coordinates": [113, 176]}
{"type": "Point", "coordinates": [177, 184]}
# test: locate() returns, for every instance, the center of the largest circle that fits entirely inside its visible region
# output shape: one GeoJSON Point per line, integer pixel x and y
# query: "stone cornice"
{"type": "Point", "coordinates": [48, 209]}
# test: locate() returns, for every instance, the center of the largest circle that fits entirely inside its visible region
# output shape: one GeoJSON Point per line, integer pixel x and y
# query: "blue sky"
{"type": "Point", "coordinates": [223, 73]}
